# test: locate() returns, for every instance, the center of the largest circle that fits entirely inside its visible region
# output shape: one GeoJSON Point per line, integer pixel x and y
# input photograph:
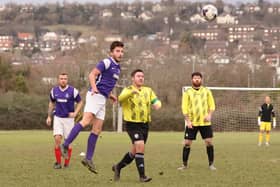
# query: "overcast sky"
{"type": "Point", "coordinates": [105, 1]}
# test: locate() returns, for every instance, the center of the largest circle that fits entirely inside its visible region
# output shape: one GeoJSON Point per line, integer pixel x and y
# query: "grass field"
{"type": "Point", "coordinates": [26, 159]}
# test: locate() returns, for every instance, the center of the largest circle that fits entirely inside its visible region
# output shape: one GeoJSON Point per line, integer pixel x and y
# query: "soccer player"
{"type": "Point", "coordinates": [197, 106]}
{"type": "Point", "coordinates": [266, 111]}
{"type": "Point", "coordinates": [136, 101]}
{"type": "Point", "coordinates": [102, 81]}
{"type": "Point", "coordinates": [62, 102]}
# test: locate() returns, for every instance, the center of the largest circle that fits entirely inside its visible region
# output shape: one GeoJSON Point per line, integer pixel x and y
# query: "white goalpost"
{"type": "Point", "coordinates": [237, 107]}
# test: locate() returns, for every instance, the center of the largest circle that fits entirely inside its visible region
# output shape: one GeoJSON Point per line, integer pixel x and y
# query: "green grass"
{"type": "Point", "coordinates": [27, 158]}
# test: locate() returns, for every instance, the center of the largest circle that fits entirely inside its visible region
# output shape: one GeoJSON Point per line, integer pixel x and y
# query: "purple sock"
{"type": "Point", "coordinates": [92, 139]}
{"type": "Point", "coordinates": [73, 134]}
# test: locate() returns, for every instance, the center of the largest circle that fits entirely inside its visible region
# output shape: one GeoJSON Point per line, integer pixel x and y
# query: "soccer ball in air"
{"type": "Point", "coordinates": [209, 12]}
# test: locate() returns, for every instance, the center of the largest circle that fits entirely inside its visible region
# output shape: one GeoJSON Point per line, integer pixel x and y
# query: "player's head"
{"type": "Point", "coordinates": [196, 79]}
{"type": "Point", "coordinates": [116, 50]}
{"type": "Point", "coordinates": [267, 100]}
{"type": "Point", "coordinates": [63, 80]}
{"type": "Point", "coordinates": [137, 77]}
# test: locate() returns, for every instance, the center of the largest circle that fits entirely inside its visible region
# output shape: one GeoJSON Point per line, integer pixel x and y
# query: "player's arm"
{"type": "Point", "coordinates": [185, 109]}
{"type": "Point", "coordinates": [273, 117]}
{"type": "Point", "coordinates": [92, 80]}
{"type": "Point", "coordinates": [126, 93]}
{"type": "Point", "coordinates": [259, 116]}
{"type": "Point", "coordinates": [50, 111]}
{"type": "Point", "coordinates": [113, 97]}
{"type": "Point", "coordinates": [156, 103]}
{"type": "Point", "coordinates": [211, 106]}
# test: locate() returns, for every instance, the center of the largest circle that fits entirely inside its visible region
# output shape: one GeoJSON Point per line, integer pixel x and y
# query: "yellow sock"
{"type": "Point", "coordinates": [260, 138]}
{"type": "Point", "coordinates": [267, 138]}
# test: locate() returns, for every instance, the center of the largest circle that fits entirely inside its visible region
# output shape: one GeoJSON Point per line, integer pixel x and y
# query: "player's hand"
{"type": "Point", "coordinates": [189, 124]}
{"type": "Point", "coordinates": [208, 118]}
{"type": "Point", "coordinates": [259, 122]}
{"type": "Point", "coordinates": [94, 91]}
{"type": "Point", "coordinates": [72, 115]}
{"type": "Point", "coordinates": [274, 124]}
{"type": "Point", "coordinates": [49, 121]}
{"type": "Point", "coordinates": [113, 98]}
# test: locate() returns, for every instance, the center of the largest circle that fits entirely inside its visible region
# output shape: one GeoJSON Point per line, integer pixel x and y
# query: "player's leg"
{"type": "Point", "coordinates": [267, 136]}
{"type": "Point", "coordinates": [128, 157]}
{"type": "Point", "coordinates": [67, 126]}
{"type": "Point", "coordinates": [87, 118]}
{"type": "Point", "coordinates": [140, 150]}
{"type": "Point", "coordinates": [92, 139]}
{"type": "Point", "coordinates": [57, 152]}
{"type": "Point", "coordinates": [189, 136]}
{"type": "Point", "coordinates": [262, 129]}
{"type": "Point", "coordinates": [57, 133]}
{"type": "Point", "coordinates": [207, 135]}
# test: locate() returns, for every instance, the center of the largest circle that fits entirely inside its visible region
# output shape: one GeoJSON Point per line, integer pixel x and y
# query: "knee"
{"type": "Point", "coordinates": [208, 143]}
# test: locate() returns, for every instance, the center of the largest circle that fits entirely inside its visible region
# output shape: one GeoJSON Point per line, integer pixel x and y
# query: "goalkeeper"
{"type": "Point", "coordinates": [266, 111]}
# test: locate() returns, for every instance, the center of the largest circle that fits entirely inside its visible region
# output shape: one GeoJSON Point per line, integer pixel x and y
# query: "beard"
{"type": "Point", "coordinates": [196, 84]}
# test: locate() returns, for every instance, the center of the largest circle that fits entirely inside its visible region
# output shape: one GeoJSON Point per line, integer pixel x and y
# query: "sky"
{"type": "Point", "coordinates": [105, 1]}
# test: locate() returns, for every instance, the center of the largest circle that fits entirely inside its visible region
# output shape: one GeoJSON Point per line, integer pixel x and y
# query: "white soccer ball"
{"type": "Point", "coordinates": [209, 12]}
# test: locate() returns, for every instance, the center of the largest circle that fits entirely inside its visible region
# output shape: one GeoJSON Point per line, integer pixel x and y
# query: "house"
{"type": "Point", "coordinates": [251, 47]}
{"type": "Point", "coordinates": [242, 58]}
{"type": "Point", "coordinates": [112, 38]}
{"type": "Point", "coordinates": [197, 18]}
{"type": "Point", "coordinates": [49, 42]}
{"type": "Point", "coordinates": [146, 15]}
{"type": "Point", "coordinates": [226, 19]}
{"type": "Point", "coordinates": [106, 13]}
{"type": "Point", "coordinates": [2, 8]}
{"type": "Point", "coordinates": [67, 42]}
{"type": "Point", "coordinates": [273, 9]}
{"type": "Point", "coordinates": [252, 8]}
{"type": "Point", "coordinates": [208, 34]}
{"type": "Point", "coordinates": [27, 8]}
{"type": "Point", "coordinates": [219, 59]}
{"type": "Point", "coordinates": [6, 42]}
{"type": "Point", "coordinates": [25, 41]}
{"type": "Point", "coordinates": [271, 33]}
{"type": "Point", "coordinates": [241, 33]}
{"type": "Point", "coordinates": [158, 8]}
{"type": "Point", "coordinates": [271, 59]}
{"type": "Point", "coordinates": [128, 15]}
{"type": "Point", "coordinates": [217, 47]}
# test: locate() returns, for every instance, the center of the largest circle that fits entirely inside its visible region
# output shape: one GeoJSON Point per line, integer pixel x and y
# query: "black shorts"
{"type": "Point", "coordinates": [205, 132]}
{"type": "Point", "coordinates": [137, 131]}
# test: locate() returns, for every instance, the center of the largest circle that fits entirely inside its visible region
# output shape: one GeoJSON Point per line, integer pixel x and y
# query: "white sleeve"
{"type": "Point", "coordinates": [76, 92]}
{"type": "Point", "coordinates": [52, 94]}
{"type": "Point", "coordinates": [107, 63]}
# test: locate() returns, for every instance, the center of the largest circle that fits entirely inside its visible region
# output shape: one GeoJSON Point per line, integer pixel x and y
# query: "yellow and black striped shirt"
{"type": "Point", "coordinates": [137, 106]}
{"type": "Point", "coordinates": [196, 104]}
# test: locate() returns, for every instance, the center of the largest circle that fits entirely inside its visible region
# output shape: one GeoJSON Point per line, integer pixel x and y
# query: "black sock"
{"type": "Point", "coordinates": [210, 153]}
{"type": "Point", "coordinates": [139, 160]}
{"type": "Point", "coordinates": [127, 159]}
{"type": "Point", "coordinates": [186, 153]}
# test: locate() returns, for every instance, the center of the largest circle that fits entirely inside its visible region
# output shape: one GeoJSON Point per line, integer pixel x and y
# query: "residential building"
{"type": "Point", "coordinates": [241, 33]}
{"type": "Point", "coordinates": [6, 42]}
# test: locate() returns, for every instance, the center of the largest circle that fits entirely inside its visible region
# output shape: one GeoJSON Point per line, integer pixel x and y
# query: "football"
{"type": "Point", "coordinates": [209, 12]}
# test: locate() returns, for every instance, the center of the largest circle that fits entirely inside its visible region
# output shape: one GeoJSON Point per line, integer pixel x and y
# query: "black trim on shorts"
{"type": "Point", "coordinates": [205, 132]}
{"type": "Point", "coordinates": [137, 131]}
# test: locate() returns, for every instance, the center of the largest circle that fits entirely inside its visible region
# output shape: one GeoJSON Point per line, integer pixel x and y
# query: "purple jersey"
{"type": "Point", "coordinates": [110, 71]}
{"type": "Point", "coordinates": [64, 100]}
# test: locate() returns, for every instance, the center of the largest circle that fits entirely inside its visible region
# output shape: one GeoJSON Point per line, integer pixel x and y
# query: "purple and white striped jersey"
{"type": "Point", "coordinates": [110, 72]}
{"type": "Point", "coordinates": [64, 100]}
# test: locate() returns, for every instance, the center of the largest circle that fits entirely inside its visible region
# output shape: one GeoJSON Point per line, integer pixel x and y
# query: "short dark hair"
{"type": "Point", "coordinates": [135, 71]}
{"type": "Point", "coordinates": [63, 73]}
{"type": "Point", "coordinates": [116, 44]}
{"type": "Point", "coordinates": [196, 74]}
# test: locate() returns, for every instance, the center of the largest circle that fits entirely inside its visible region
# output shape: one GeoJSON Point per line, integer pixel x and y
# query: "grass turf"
{"type": "Point", "coordinates": [27, 158]}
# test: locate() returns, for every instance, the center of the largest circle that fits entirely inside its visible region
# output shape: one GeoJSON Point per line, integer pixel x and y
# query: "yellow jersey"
{"type": "Point", "coordinates": [196, 104]}
{"type": "Point", "coordinates": [136, 104]}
